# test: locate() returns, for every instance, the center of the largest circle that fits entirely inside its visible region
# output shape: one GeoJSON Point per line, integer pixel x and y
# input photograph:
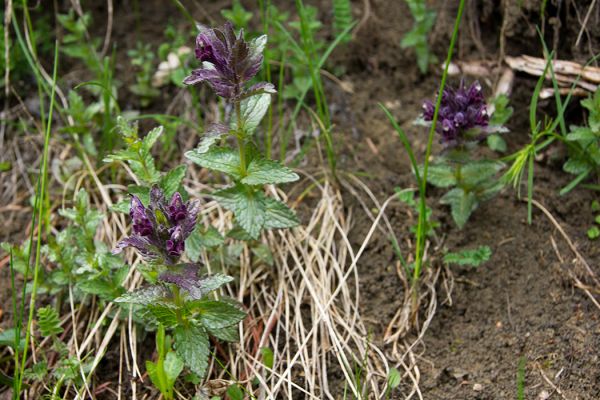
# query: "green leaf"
{"type": "Point", "coordinates": [593, 233]}
{"type": "Point", "coordinates": [218, 314]}
{"type": "Point", "coordinates": [394, 378]}
{"type": "Point", "coordinates": [461, 204]}
{"type": "Point", "coordinates": [155, 377]}
{"type": "Point", "coordinates": [595, 206]}
{"type": "Point", "coordinates": [218, 159]}
{"type": "Point", "coordinates": [234, 392]}
{"type": "Point", "coordinates": [122, 206]}
{"type": "Point", "coordinates": [202, 238]}
{"type": "Point", "coordinates": [440, 175]}
{"type": "Point", "coordinates": [267, 357]}
{"type": "Point", "coordinates": [171, 181]}
{"type": "Point", "coordinates": [7, 338]}
{"type": "Point", "coordinates": [173, 367]}
{"type": "Point", "coordinates": [496, 143]}
{"type": "Point", "coordinates": [247, 205]}
{"type": "Point", "coordinates": [143, 296]}
{"type": "Point", "coordinates": [166, 316]}
{"type": "Point", "coordinates": [502, 112]}
{"type": "Point", "coordinates": [99, 287]}
{"type": "Point", "coordinates": [477, 172]}
{"type": "Point", "coordinates": [48, 321]}
{"type": "Point", "coordinates": [262, 172]}
{"type": "Point", "coordinates": [582, 133]}
{"type": "Point", "coordinates": [151, 138]}
{"type": "Point", "coordinates": [192, 345]}
{"type": "Point", "coordinates": [279, 215]}
{"type": "Point", "coordinates": [237, 15]}
{"type": "Point", "coordinates": [213, 282]}
{"type": "Point", "coordinates": [474, 257]}
{"type": "Point", "coordinates": [207, 141]}
{"type": "Point", "coordinates": [253, 110]}
{"type": "Point", "coordinates": [227, 334]}
{"type": "Point", "coordinates": [575, 166]}
{"type": "Point", "coordinates": [211, 237]}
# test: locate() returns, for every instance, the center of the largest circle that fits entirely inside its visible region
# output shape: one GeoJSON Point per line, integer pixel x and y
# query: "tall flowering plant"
{"type": "Point", "coordinates": [179, 299]}
{"type": "Point", "coordinates": [463, 122]}
{"type": "Point", "coordinates": [228, 64]}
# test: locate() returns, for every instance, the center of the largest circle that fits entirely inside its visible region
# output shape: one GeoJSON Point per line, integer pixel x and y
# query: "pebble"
{"type": "Point", "coordinates": [478, 387]}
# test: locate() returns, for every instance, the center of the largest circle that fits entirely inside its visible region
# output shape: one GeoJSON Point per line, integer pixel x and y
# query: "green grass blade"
{"type": "Point", "coordinates": [40, 198]}
{"type": "Point", "coordinates": [421, 227]}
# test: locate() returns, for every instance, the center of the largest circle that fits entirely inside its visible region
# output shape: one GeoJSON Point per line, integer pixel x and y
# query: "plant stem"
{"type": "Point", "coordinates": [40, 203]}
{"type": "Point", "coordinates": [240, 136]}
{"type": "Point", "coordinates": [421, 228]}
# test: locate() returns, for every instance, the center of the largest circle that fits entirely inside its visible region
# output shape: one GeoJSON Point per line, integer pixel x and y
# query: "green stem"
{"type": "Point", "coordinates": [423, 183]}
{"type": "Point", "coordinates": [239, 135]}
{"type": "Point", "coordinates": [178, 300]}
{"type": "Point", "coordinates": [40, 201]}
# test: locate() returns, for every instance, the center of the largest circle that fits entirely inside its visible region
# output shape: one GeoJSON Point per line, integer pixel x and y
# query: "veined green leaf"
{"type": "Point", "coordinates": [171, 181]}
{"type": "Point", "coordinates": [143, 296]}
{"type": "Point", "coordinates": [262, 172]}
{"type": "Point", "coordinates": [192, 345]}
{"type": "Point", "coordinates": [247, 205]}
{"type": "Point", "coordinates": [477, 172]}
{"type": "Point", "coordinates": [218, 159]}
{"type": "Point", "coordinates": [253, 110]}
{"type": "Point", "coordinates": [218, 314]}
{"type": "Point", "coordinates": [461, 204]}
{"type": "Point", "coordinates": [279, 215]}
{"type": "Point", "coordinates": [440, 175]}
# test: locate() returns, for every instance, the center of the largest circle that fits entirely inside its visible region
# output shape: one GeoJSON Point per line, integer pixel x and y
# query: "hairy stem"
{"type": "Point", "coordinates": [240, 137]}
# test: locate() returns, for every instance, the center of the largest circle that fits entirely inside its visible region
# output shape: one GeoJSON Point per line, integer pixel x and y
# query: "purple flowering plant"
{"type": "Point", "coordinates": [179, 297]}
{"type": "Point", "coordinates": [463, 123]}
{"type": "Point", "coordinates": [228, 65]}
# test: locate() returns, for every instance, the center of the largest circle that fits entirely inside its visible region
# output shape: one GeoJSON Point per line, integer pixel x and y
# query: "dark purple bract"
{"type": "Point", "coordinates": [160, 230]}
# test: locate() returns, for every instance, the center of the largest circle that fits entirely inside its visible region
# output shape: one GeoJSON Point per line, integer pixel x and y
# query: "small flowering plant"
{"type": "Point", "coordinates": [463, 122]}
{"type": "Point", "coordinates": [228, 63]}
{"type": "Point", "coordinates": [180, 297]}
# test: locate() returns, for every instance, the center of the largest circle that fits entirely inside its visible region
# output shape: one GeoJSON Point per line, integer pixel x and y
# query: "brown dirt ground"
{"type": "Point", "coordinates": [519, 304]}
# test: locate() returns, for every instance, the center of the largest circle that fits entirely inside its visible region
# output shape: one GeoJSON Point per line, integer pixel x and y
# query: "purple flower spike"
{"type": "Point", "coordinates": [177, 210]}
{"type": "Point", "coordinates": [461, 110]}
{"type": "Point", "coordinates": [228, 61]}
{"type": "Point", "coordinates": [160, 230]}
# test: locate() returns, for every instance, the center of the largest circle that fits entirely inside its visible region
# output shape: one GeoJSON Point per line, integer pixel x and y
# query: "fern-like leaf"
{"type": "Point", "coordinates": [48, 321]}
{"type": "Point", "coordinates": [342, 17]}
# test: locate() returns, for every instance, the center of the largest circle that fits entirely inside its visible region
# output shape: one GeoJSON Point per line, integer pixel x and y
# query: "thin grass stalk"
{"type": "Point", "coordinates": [263, 6]}
{"type": "Point", "coordinates": [40, 200]}
{"type": "Point", "coordinates": [17, 316]}
{"type": "Point", "coordinates": [300, 99]}
{"type": "Point", "coordinates": [420, 250]}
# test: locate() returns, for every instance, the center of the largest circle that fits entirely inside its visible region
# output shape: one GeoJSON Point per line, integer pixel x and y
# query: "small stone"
{"type": "Point", "coordinates": [478, 387]}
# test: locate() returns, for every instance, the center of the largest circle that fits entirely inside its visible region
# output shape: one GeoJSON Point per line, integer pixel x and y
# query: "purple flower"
{"type": "Point", "coordinates": [160, 230]}
{"type": "Point", "coordinates": [228, 62]}
{"type": "Point", "coordinates": [461, 110]}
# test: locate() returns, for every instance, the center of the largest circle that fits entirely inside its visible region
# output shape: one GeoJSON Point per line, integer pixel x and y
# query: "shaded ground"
{"type": "Point", "coordinates": [521, 303]}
